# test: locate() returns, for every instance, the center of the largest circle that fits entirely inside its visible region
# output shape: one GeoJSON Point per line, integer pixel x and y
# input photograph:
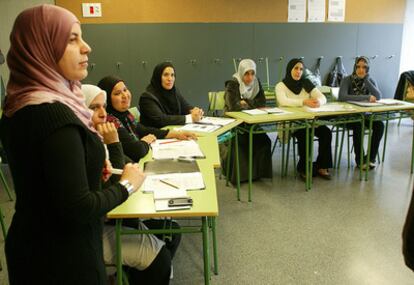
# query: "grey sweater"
{"type": "Point", "coordinates": [346, 93]}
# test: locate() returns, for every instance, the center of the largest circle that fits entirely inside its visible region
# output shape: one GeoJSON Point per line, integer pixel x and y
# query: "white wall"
{"type": "Point", "coordinates": [407, 47]}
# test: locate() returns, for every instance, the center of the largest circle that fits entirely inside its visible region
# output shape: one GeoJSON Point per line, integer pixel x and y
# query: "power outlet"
{"type": "Point", "coordinates": [91, 10]}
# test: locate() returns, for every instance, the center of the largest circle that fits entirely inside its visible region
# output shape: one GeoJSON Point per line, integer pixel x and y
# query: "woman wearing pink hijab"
{"type": "Point", "coordinates": [55, 155]}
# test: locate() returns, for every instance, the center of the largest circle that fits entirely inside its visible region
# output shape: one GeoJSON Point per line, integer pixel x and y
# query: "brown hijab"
{"type": "Point", "coordinates": [37, 43]}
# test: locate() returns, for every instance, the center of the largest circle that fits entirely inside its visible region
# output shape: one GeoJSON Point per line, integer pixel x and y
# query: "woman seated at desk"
{"type": "Point", "coordinates": [162, 103]}
{"type": "Point", "coordinates": [135, 137]}
{"type": "Point", "coordinates": [244, 92]}
{"type": "Point", "coordinates": [296, 91]}
{"type": "Point", "coordinates": [147, 257]}
{"type": "Point", "coordinates": [360, 86]}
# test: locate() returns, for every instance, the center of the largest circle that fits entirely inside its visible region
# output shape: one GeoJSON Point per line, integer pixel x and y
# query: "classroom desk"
{"type": "Point", "coordinates": [208, 141]}
{"type": "Point", "coordinates": [254, 121]}
{"type": "Point", "coordinates": [216, 133]}
{"type": "Point", "coordinates": [350, 114]}
{"type": "Point", "coordinates": [205, 207]}
{"type": "Point", "coordinates": [387, 113]}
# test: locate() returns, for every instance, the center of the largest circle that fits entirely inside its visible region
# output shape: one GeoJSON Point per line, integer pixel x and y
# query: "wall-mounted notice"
{"type": "Point", "coordinates": [316, 10]}
{"type": "Point", "coordinates": [336, 10]}
{"type": "Point", "coordinates": [297, 11]}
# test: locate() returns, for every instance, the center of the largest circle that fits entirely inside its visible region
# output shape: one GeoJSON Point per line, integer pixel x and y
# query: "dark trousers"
{"type": "Point", "coordinates": [377, 133]}
{"type": "Point", "coordinates": [324, 159]}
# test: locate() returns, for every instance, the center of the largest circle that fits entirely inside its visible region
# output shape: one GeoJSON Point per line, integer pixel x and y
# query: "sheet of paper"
{"type": "Point", "coordinates": [186, 181]}
{"type": "Point", "coordinates": [173, 149]}
{"type": "Point", "coordinates": [199, 128]}
{"type": "Point", "coordinates": [316, 11]}
{"type": "Point", "coordinates": [273, 110]}
{"type": "Point", "coordinates": [216, 121]}
{"type": "Point", "coordinates": [330, 108]}
{"type": "Point", "coordinates": [297, 11]}
{"type": "Point", "coordinates": [255, 112]}
{"type": "Point", "coordinates": [336, 11]}
{"type": "Point", "coordinates": [365, 104]}
{"type": "Point", "coordinates": [169, 193]}
{"type": "Point", "coordinates": [390, 102]}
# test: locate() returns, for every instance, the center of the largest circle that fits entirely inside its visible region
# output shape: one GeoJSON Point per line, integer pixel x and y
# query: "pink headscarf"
{"type": "Point", "coordinates": [38, 41]}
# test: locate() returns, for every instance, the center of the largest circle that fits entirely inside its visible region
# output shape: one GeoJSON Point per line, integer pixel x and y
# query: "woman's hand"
{"type": "Point", "coordinates": [108, 132]}
{"type": "Point", "coordinates": [312, 103]}
{"type": "Point", "coordinates": [149, 138]}
{"type": "Point", "coordinates": [244, 104]}
{"type": "Point", "coordinates": [134, 175]}
{"type": "Point", "coordinates": [372, 99]}
{"type": "Point", "coordinates": [181, 135]}
{"type": "Point", "coordinates": [196, 114]}
{"type": "Point", "coordinates": [107, 170]}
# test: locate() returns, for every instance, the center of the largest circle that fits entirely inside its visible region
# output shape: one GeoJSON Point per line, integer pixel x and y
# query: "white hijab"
{"type": "Point", "coordinates": [247, 91]}
{"type": "Point", "coordinates": [90, 92]}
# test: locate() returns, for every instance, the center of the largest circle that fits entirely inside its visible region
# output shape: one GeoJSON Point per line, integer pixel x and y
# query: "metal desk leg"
{"type": "Point", "coordinates": [205, 251]}
{"type": "Point", "coordinates": [237, 164]}
{"type": "Point", "coordinates": [371, 120]}
{"type": "Point", "coordinates": [250, 162]}
{"type": "Point", "coordinates": [307, 184]}
{"type": "Point", "coordinates": [412, 152]}
{"type": "Point", "coordinates": [361, 149]}
{"type": "Point", "coordinates": [311, 136]}
{"type": "Point", "coordinates": [215, 256]}
{"type": "Point", "coordinates": [385, 138]}
{"type": "Point", "coordinates": [118, 227]}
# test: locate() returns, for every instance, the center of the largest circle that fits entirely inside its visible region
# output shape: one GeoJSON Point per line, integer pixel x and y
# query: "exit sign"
{"type": "Point", "coordinates": [91, 10]}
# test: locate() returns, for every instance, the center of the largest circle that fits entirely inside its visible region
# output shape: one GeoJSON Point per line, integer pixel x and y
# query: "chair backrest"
{"type": "Point", "coordinates": [216, 102]}
{"type": "Point", "coordinates": [270, 98]}
{"type": "Point", "coordinates": [135, 112]}
{"type": "Point", "coordinates": [329, 93]}
{"type": "Point", "coordinates": [408, 92]}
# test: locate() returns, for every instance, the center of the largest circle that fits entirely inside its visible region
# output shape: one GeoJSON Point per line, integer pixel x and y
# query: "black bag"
{"type": "Point", "coordinates": [337, 73]}
{"type": "Point", "coordinates": [315, 76]}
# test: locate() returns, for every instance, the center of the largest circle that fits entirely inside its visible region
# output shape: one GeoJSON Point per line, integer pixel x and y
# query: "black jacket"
{"type": "Point", "coordinates": [232, 97]}
{"type": "Point", "coordinates": [154, 114]}
{"type": "Point", "coordinates": [399, 91]}
{"type": "Point", "coordinates": [56, 233]}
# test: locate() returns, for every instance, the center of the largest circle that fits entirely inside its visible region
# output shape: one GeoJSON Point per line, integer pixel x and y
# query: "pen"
{"type": "Point", "coordinates": [169, 142]}
{"type": "Point", "coordinates": [117, 171]}
{"type": "Point", "coordinates": [169, 184]}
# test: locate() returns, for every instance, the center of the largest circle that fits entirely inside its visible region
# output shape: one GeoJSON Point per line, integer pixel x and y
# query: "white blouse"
{"type": "Point", "coordinates": [286, 98]}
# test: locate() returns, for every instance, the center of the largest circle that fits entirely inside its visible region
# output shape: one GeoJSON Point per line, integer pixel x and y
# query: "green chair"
{"type": "Point", "coordinates": [216, 103]}
{"type": "Point", "coordinates": [216, 108]}
{"type": "Point", "coordinates": [135, 112]}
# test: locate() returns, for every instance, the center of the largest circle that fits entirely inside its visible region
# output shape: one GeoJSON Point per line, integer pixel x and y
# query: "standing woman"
{"type": "Point", "coordinates": [134, 136]}
{"type": "Point", "coordinates": [360, 86]}
{"type": "Point", "coordinates": [296, 91]}
{"type": "Point", "coordinates": [162, 103]}
{"type": "Point", "coordinates": [244, 92]}
{"type": "Point", "coordinates": [55, 155]}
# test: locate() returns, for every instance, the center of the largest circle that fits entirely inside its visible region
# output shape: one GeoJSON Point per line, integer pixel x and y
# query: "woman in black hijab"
{"type": "Point", "coordinates": [134, 136]}
{"type": "Point", "coordinates": [360, 86]}
{"type": "Point", "coordinates": [162, 103]}
{"type": "Point", "coordinates": [297, 91]}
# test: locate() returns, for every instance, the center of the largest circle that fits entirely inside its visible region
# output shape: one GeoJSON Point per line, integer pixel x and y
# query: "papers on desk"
{"type": "Point", "coordinates": [382, 102]}
{"type": "Point", "coordinates": [173, 181]}
{"type": "Point", "coordinates": [330, 108]}
{"type": "Point", "coordinates": [207, 124]}
{"type": "Point", "coordinates": [219, 121]}
{"type": "Point", "coordinates": [265, 111]}
{"type": "Point", "coordinates": [162, 198]}
{"type": "Point", "coordinates": [199, 128]}
{"type": "Point", "coordinates": [174, 149]}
